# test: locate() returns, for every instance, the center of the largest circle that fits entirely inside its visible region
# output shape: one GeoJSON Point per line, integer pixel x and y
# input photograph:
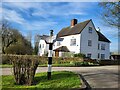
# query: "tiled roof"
{"type": "Point", "coordinates": [101, 37]}
{"type": "Point", "coordinates": [62, 48]}
{"type": "Point", "coordinates": [77, 29]}
{"type": "Point", "coordinates": [73, 30]}
{"type": "Point", "coordinates": [44, 37]}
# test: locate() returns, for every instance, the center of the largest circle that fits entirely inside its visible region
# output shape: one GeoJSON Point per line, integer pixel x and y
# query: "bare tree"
{"type": "Point", "coordinates": [111, 13]}
{"type": "Point", "coordinates": [7, 35]}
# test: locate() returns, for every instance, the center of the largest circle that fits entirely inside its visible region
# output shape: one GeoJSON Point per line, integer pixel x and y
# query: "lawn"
{"type": "Point", "coordinates": [63, 80]}
{"type": "Point", "coordinates": [5, 66]}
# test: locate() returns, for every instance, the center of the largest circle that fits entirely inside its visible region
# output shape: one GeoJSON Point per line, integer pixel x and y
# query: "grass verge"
{"type": "Point", "coordinates": [63, 80]}
{"type": "Point", "coordinates": [5, 66]}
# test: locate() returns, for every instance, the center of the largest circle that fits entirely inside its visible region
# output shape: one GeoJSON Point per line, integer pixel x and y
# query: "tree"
{"type": "Point", "coordinates": [36, 39]}
{"type": "Point", "coordinates": [7, 35]}
{"type": "Point", "coordinates": [13, 42]}
{"type": "Point", "coordinates": [111, 13]}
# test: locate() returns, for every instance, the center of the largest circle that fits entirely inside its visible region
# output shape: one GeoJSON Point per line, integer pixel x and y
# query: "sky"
{"type": "Point", "coordinates": [40, 17]}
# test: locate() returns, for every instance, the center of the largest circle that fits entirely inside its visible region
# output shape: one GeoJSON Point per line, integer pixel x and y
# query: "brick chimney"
{"type": "Point", "coordinates": [73, 22]}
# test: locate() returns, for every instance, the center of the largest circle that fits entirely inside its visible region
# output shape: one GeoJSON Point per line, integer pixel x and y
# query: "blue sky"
{"type": "Point", "coordinates": [41, 17]}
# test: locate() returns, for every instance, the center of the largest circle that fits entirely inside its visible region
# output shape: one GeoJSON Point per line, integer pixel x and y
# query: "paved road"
{"type": "Point", "coordinates": [97, 77]}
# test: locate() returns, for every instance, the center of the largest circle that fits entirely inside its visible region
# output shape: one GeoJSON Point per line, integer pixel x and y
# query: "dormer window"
{"type": "Point", "coordinates": [90, 30]}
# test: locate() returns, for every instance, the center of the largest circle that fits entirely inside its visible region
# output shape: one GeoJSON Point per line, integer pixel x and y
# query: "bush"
{"type": "Point", "coordinates": [94, 61]}
{"type": "Point", "coordinates": [79, 55]}
{"type": "Point", "coordinates": [81, 64]}
{"type": "Point", "coordinates": [6, 59]}
{"type": "Point", "coordinates": [24, 68]}
{"type": "Point", "coordinates": [44, 60]}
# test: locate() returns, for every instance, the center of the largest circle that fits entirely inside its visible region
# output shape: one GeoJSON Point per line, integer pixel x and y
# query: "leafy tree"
{"type": "Point", "coordinates": [13, 42]}
{"type": "Point", "coordinates": [111, 13]}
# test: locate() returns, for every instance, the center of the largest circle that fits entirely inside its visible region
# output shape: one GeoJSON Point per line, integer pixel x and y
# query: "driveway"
{"type": "Point", "coordinates": [96, 77]}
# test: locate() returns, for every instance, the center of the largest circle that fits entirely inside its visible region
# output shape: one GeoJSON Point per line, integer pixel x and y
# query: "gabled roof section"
{"type": "Point", "coordinates": [101, 37]}
{"type": "Point", "coordinates": [62, 49]}
{"type": "Point", "coordinates": [73, 30]}
{"type": "Point", "coordinates": [44, 37]}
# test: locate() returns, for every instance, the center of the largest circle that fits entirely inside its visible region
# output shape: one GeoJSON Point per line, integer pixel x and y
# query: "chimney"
{"type": "Point", "coordinates": [73, 22]}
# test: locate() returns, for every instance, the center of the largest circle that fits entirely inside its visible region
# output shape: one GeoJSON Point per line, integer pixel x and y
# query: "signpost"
{"type": "Point", "coordinates": [50, 42]}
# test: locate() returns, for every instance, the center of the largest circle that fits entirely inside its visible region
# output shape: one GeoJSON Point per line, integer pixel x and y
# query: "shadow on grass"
{"type": "Point", "coordinates": [54, 77]}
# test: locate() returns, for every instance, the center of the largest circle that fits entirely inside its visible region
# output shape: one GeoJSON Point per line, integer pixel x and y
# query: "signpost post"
{"type": "Point", "coordinates": [50, 42]}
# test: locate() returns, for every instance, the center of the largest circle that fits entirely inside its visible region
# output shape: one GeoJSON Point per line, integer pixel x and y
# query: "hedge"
{"type": "Point", "coordinates": [24, 68]}
{"type": "Point", "coordinates": [109, 62]}
{"type": "Point", "coordinates": [42, 60]}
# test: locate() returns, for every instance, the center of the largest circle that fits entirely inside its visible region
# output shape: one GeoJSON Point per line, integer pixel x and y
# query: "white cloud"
{"type": "Point", "coordinates": [46, 9]}
{"type": "Point", "coordinates": [12, 16]}
{"type": "Point", "coordinates": [60, 1]}
{"type": "Point", "coordinates": [21, 5]}
{"type": "Point", "coordinates": [66, 9]}
{"type": "Point", "coordinates": [39, 25]}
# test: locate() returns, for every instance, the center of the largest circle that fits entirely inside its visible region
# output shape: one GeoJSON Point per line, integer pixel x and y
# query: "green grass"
{"type": "Point", "coordinates": [63, 80]}
{"type": "Point", "coordinates": [5, 66]}
{"type": "Point", "coordinates": [59, 65]}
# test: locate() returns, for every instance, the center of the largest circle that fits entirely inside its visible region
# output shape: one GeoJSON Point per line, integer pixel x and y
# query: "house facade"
{"type": "Point", "coordinates": [81, 38]}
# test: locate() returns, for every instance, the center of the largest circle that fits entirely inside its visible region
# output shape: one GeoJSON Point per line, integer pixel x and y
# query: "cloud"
{"type": "Point", "coordinates": [39, 25]}
{"type": "Point", "coordinates": [46, 9]}
{"type": "Point", "coordinates": [63, 9]}
{"type": "Point", "coordinates": [12, 16]}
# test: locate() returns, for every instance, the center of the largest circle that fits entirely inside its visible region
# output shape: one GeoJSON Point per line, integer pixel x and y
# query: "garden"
{"type": "Point", "coordinates": [24, 77]}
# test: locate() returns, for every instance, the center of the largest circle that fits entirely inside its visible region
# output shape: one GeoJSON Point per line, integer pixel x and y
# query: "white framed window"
{"type": "Point", "coordinates": [102, 56]}
{"type": "Point", "coordinates": [90, 30]}
{"type": "Point", "coordinates": [89, 42]}
{"type": "Point", "coordinates": [102, 46]}
{"type": "Point", "coordinates": [89, 55]}
{"type": "Point", "coordinates": [73, 42]}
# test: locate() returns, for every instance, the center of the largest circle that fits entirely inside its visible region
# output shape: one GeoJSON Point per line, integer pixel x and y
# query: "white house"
{"type": "Point", "coordinates": [80, 38]}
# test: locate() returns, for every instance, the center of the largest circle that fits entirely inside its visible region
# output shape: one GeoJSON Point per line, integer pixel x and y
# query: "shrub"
{"type": "Point", "coordinates": [24, 68]}
{"type": "Point", "coordinates": [81, 64]}
{"type": "Point", "coordinates": [79, 55]}
{"type": "Point", "coordinates": [6, 59]}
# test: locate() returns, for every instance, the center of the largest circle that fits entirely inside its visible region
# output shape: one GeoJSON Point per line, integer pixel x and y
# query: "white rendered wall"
{"type": "Point", "coordinates": [85, 36]}
{"type": "Point", "coordinates": [66, 42]}
{"type": "Point", "coordinates": [44, 49]}
{"type": "Point", "coordinates": [106, 51]}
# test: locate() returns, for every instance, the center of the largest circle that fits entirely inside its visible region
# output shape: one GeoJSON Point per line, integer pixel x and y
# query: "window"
{"type": "Point", "coordinates": [89, 55]}
{"type": "Point", "coordinates": [40, 45]}
{"type": "Point", "coordinates": [90, 30]}
{"type": "Point", "coordinates": [98, 55]}
{"type": "Point", "coordinates": [102, 56]}
{"type": "Point", "coordinates": [43, 46]}
{"type": "Point", "coordinates": [98, 46]}
{"type": "Point", "coordinates": [89, 42]}
{"type": "Point", "coordinates": [58, 43]}
{"type": "Point", "coordinates": [102, 46]}
{"type": "Point", "coordinates": [73, 42]}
